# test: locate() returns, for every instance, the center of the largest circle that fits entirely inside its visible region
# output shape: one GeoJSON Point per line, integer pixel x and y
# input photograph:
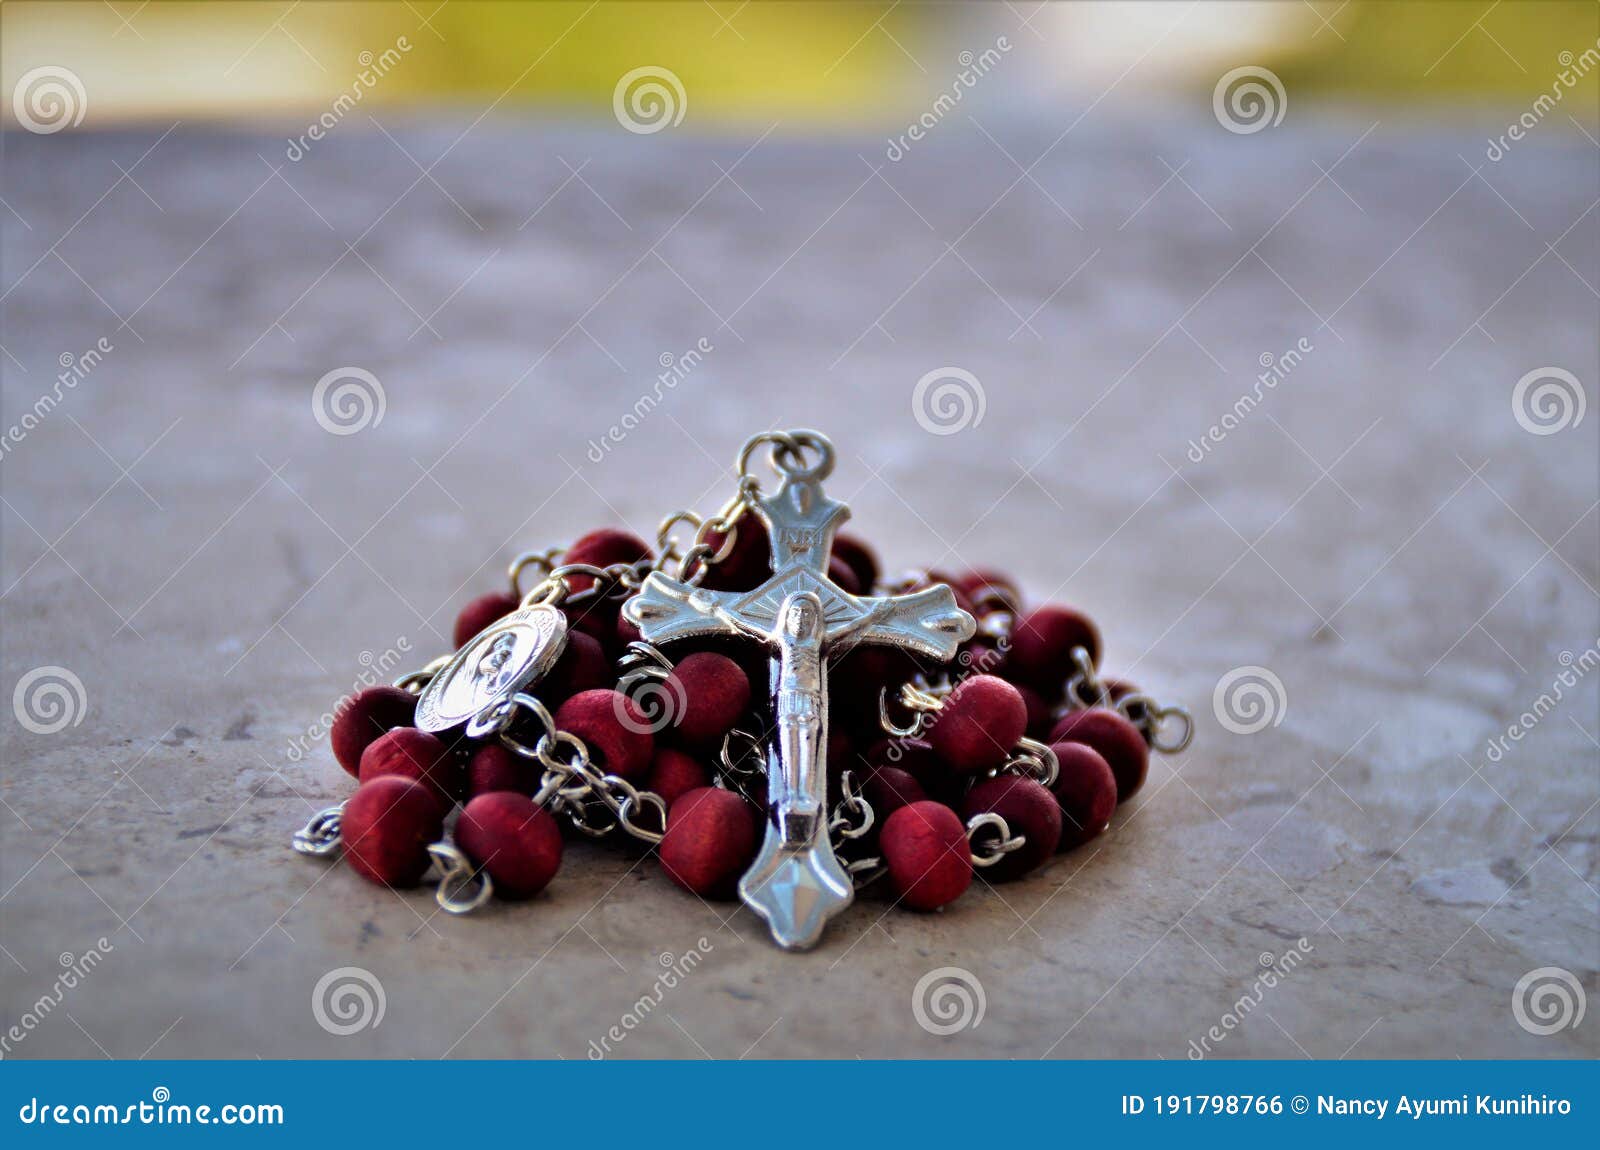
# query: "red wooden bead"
{"type": "Point", "coordinates": [387, 827]}
{"type": "Point", "coordinates": [616, 732]}
{"type": "Point", "coordinates": [749, 562]}
{"type": "Point", "coordinates": [597, 618]}
{"type": "Point", "coordinates": [626, 633]}
{"type": "Point", "coordinates": [494, 768]}
{"type": "Point", "coordinates": [980, 655]}
{"type": "Point", "coordinates": [979, 724]}
{"type": "Point", "coordinates": [990, 590]}
{"type": "Point", "coordinates": [583, 666]}
{"type": "Point", "coordinates": [841, 751]}
{"type": "Point", "coordinates": [1118, 689]}
{"type": "Point", "coordinates": [844, 576]}
{"type": "Point", "coordinates": [366, 717]}
{"type": "Point", "coordinates": [514, 839]}
{"type": "Point", "coordinates": [414, 754]}
{"type": "Point", "coordinates": [1042, 643]}
{"type": "Point", "coordinates": [1117, 740]}
{"type": "Point", "coordinates": [914, 756]}
{"type": "Point", "coordinates": [856, 678]}
{"type": "Point", "coordinates": [861, 560]}
{"type": "Point", "coordinates": [710, 842]}
{"type": "Point", "coordinates": [602, 548]}
{"type": "Point", "coordinates": [1029, 810]}
{"type": "Point", "coordinates": [1086, 791]}
{"type": "Point", "coordinates": [925, 848]}
{"type": "Point", "coordinates": [887, 789]}
{"type": "Point", "coordinates": [674, 774]}
{"type": "Point", "coordinates": [707, 694]}
{"type": "Point", "coordinates": [482, 611]}
{"type": "Point", "coordinates": [1041, 718]}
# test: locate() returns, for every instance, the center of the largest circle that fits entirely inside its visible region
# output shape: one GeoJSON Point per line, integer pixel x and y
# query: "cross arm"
{"type": "Point", "coordinates": [928, 622]}
{"type": "Point", "coordinates": [665, 609]}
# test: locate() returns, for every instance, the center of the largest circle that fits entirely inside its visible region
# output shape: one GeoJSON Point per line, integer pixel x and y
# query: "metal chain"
{"type": "Point", "coordinates": [922, 704]}
{"type": "Point", "coordinates": [1086, 690]}
{"type": "Point", "coordinates": [320, 837]}
{"type": "Point", "coordinates": [571, 780]}
{"type": "Point", "coordinates": [463, 888]}
{"type": "Point", "coordinates": [853, 816]}
{"type": "Point", "coordinates": [703, 554]}
{"type": "Point", "coordinates": [1033, 760]}
{"type": "Point", "coordinates": [997, 841]}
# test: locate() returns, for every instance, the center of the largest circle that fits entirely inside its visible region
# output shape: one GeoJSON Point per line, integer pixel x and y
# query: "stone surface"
{"type": "Point", "coordinates": [183, 535]}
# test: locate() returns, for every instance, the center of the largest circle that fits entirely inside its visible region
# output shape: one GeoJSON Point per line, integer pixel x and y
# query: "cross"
{"type": "Point", "coordinates": [796, 883]}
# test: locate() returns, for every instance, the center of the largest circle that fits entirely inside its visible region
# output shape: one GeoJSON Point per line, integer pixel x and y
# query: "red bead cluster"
{"type": "Point", "coordinates": [1010, 683]}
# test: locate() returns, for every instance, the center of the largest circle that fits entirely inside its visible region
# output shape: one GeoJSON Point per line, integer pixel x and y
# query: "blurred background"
{"type": "Point", "coordinates": [1263, 332]}
{"type": "Point", "coordinates": [818, 64]}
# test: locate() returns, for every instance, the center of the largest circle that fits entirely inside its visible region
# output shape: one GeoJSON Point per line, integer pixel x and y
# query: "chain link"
{"type": "Point", "coordinates": [320, 837]}
{"type": "Point", "coordinates": [853, 816]}
{"type": "Point", "coordinates": [1085, 690]}
{"type": "Point", "coordinates": [989, 839]}
{"type": "Point", "coordinates": [596, 802]}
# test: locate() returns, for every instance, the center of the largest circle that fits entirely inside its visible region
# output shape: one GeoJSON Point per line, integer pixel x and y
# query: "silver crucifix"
{"type": "Point", "coordinates": [796, 883]}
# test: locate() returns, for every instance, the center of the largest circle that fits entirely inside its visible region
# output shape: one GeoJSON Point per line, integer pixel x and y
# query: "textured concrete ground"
{"type": "Point", "coordinates": [1379, 532]}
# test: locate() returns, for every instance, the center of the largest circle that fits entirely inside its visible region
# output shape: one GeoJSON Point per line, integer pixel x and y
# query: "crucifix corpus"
{"type": "Point", "coordinates": [796, 883]}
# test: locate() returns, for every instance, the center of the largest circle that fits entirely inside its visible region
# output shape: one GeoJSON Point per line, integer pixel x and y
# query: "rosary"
{"type": "Point", "coordinates": [684, 700]}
